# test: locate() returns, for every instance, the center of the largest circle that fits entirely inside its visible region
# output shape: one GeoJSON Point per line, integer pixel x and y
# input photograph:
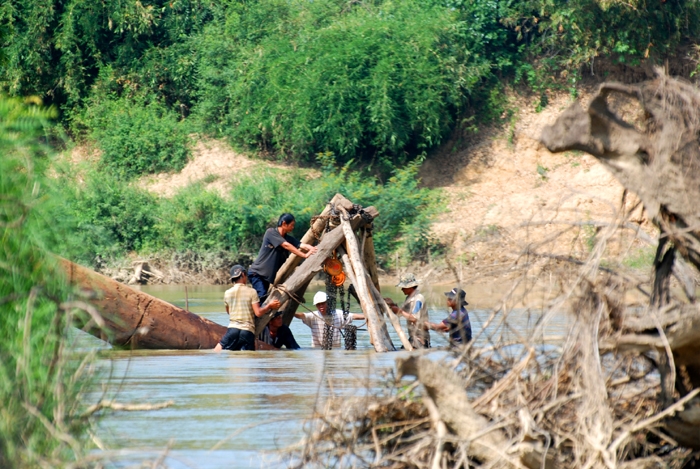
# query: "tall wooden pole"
{"type": "Point", "coordinates": [369, 256]}
{"type": "Point", "coordinates": [378, 300]}
{"type": "Point", "coordinates": [392, 317]}
{"type": "Point", "coordinates": [368, 307]}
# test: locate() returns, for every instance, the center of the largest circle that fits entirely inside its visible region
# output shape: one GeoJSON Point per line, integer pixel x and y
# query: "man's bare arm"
{"type": "Point", "coordinates": [274, 304]}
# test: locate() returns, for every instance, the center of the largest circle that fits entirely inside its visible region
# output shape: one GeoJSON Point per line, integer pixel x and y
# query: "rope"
{"type": "Point", "coordinates": [335, 215]}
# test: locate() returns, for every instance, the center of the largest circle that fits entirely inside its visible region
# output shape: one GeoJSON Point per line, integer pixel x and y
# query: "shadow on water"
{"type": "Point", "coordinates": [235, 409]}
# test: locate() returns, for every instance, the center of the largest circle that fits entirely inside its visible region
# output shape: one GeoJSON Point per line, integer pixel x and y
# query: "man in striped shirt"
{"type": "Point", "coordinates": [321, 320]}
{"type": "Point", "coordinates": [243, 306]}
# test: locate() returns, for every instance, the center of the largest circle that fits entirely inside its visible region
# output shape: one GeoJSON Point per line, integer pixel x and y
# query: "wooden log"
{"type": "Point", "coordinates": [347, 266]}
{"type": "Point", "coordinates": [371, 314]}
{"type": "Point", "coordinates": [293, 305]}
{"type": "Point", "coordinates": [447, 391]}
{"type": "Point", "coordinates": [369, 256]}
{"type": "Point", "coordinates": [395, 322]}
{"type": "Point", "coordinates": [379, 301]}
{"type": "Point", "coordinates": [310, 237]}
{"type": "Point", "coordinates": [139, 320]}
{"type": "Point", "coordinates": [314, 264]}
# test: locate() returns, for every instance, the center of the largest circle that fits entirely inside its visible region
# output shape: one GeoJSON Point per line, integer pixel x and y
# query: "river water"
{"type": "Point", "coordinates": [238, 409]}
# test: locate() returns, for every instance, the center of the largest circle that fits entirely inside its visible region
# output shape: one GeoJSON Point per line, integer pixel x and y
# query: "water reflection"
{"type": "Point", "coordinates": [246, 405]}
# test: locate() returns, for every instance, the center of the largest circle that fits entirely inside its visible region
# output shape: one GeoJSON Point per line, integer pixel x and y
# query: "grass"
{"type": "Point", "coordinates": [640, 259]}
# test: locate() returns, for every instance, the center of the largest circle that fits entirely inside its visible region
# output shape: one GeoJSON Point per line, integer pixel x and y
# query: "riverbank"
{"type": "Point", "coordinates": [506, 198]}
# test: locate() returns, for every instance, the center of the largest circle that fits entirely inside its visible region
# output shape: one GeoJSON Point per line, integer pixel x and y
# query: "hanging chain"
{"type": "Point", "coordinates": [330, 314]}
{"type": "Point", "coordinates": [330, 305]}
{"type": "Point", "coordinates": [350, 334]}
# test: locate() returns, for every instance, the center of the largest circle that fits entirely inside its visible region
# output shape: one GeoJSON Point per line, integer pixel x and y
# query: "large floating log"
{"type": "Point", "coordinates": [139, 320]}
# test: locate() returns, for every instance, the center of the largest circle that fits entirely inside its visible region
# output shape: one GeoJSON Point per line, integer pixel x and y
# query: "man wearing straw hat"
{"type": "Point", "coordinates": [415, 310]}
{"type": "Point", "coordinates": [457, 323]}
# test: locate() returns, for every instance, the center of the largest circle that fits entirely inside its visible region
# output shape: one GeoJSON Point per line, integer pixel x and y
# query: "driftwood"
{"type": "Point", "coordinates": [446, 390]}
{"type": "Point", "coordinates": [658, 160]}
{"type": "Point", "coordinates": [138, 320]}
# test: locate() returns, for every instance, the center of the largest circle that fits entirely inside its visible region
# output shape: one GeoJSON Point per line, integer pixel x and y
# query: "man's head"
{"type": "Point", "coordinates": [407, 283]}
{"type": "Point", "coordinates": [320, 301]}
{"type": "Point", "coordinates": [456, 298]}
{"type": "Point", "coordinates": [276, 321]}
{"type": "Point", "coordinates": [238, 273]}
{"type": "Point", "coordinates": [285, 223]}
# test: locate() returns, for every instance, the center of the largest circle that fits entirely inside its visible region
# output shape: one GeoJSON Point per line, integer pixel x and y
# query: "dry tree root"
{"type": "Point", "coordinates": [620, 390]}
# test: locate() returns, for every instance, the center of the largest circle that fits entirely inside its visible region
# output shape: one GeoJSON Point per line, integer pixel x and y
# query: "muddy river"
{"type": "Point", "coordinates": [238, 409]}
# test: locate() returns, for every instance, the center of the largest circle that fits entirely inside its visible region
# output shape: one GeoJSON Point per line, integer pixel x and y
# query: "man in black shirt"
{"type": "Point", "coordinates": [276, 246]}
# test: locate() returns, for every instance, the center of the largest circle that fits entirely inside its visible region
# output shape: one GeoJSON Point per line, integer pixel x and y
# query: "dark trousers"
{"type": "Point", "coordinates": [237, 339]}
{"type": "Point", "coordinates": [285, 338]}
{"type": "Point", "coordinates": [259, 284]}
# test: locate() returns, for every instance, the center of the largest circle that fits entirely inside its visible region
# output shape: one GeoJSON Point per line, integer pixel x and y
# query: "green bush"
{"type": "Point", "coordinates": [40, 382]}
{"type": "Point", "coordinates": [558, 38]}
{"type": "Point", "coordinates": [136, 136]}
{"type": "Point", "coordinates": [112, 217]}
{"type": "Point", "coordinates": [59, 48]}
{"type": "Point", "coordinates": [299, 77]}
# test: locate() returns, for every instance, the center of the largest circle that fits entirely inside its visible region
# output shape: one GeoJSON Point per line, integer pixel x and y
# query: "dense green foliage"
{"type": "Point", "coordinates": [380, 83]}
{"type": "Point", "coordinates": [117, 218]}
{"type": "Point", "coordinates": [304, 77]}
{"type": "Point", "coordinates": [40, 425]}
{"type": "Point", "coordinates": [563, 38]}
{"type": "Point", "coordinates": [372, 80]}
{"type": "Point", "coordinates": [136, 137]}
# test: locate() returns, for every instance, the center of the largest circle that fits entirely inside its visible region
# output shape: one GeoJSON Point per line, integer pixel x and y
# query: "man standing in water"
{"type": "Point", "coordinates": [326, 325]}
{"type": "Point", "coordinates": [457, 323]}
{"type": "Point", "coordinates": [278, 335]}
{"type": "Point", "coordinates": [414, 310]}
{"type": "Point", "coordinates": [276, 246]}
{"type": "Point", "coordinates": [242, 306]}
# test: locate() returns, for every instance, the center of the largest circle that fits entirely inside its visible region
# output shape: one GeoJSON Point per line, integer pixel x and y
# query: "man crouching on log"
{"type": "Point", "coordinates": [243, 306]}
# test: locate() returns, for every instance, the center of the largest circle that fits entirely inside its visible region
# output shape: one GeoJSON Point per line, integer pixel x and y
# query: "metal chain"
{"type": "Point", "coordinates": [330, 306]}
{"type": "Point", "coordinates": [350, 331]}
{"type": "Point", "coordinates": [330, 314]}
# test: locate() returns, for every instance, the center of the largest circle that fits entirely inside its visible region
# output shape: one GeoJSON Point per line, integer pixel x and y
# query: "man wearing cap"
{"type": "Point", "coordinates": [415, 310]}
{"type": "Point", "coordinates": [457, 324]}
{"type": "Point", "coordinates": [243, 306]}
{"type": "Point", "coordinates": [322, 320]}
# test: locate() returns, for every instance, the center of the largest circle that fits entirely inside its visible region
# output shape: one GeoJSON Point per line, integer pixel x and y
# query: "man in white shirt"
{"type": "Point", "coordinates": [323, 324]}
